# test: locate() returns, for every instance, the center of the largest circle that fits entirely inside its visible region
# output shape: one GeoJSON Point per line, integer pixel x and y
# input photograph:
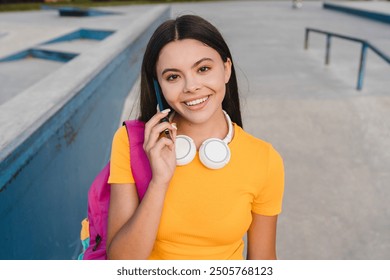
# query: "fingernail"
{"type": "Point", "coordinates": [166, 111]}
{"type": "Point", "coordinates": [174, 125]}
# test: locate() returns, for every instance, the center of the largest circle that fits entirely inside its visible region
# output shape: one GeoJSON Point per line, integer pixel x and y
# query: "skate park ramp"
{"type": "Point", "coordinates": [334, 139]}
{"type": "Point", "coordinates": [63, 85]}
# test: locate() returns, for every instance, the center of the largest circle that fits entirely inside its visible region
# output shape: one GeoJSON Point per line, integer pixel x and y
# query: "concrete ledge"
{"type": "Point", "coordinates": [22, 116]}
{"type": "Point", "coordinates": [92, 34]}
{"type": "Point", "coordinates": [62, 56]}
{"type": "Point", "coordinates": [42, 54]}
{"type": "Point", "coordinates": [55, 137]}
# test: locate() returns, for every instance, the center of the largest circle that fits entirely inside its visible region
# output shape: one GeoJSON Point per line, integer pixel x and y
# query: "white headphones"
{"type": "Point", "coordinates": [214, 153]}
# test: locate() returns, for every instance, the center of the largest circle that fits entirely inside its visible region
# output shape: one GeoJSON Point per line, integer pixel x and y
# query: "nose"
{"type": "Point", "coordinates": [191, 84]}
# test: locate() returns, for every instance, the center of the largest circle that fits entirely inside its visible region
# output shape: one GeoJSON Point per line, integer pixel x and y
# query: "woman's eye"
{"type": "Point", "coordinates": [204, 69]}
{"type": "Point", "coordinates": [172, 77]}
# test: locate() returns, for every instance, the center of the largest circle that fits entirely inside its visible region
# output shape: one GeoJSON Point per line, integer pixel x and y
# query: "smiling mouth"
{"type": "Point", "coordinates": [197, 101]}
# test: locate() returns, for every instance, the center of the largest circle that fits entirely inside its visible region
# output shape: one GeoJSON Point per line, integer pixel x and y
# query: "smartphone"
{"type": "Point", "coordinates": [160, 105]}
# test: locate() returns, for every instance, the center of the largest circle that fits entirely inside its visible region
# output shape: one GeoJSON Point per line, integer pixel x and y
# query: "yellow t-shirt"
{"type": "Point", "coordinates": [207, 212]}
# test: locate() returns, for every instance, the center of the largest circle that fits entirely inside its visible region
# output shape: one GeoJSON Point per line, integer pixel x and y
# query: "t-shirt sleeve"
{"type": "Point", "coordinates": [268, 202]}
{"type": "Point", "coordinates": [120, 170]}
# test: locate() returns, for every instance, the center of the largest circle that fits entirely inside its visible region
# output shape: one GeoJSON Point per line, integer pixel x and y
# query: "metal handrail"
{"type": "Point", "coordinates": [365, 45]}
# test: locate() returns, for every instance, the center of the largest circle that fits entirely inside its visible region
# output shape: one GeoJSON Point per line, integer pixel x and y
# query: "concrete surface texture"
{"type": "Point", "coordinates": [25, 30]}
{"type": "Point", "coordinates": [333, 138]}
{"type": "Point", "coordinates": [56, 135]}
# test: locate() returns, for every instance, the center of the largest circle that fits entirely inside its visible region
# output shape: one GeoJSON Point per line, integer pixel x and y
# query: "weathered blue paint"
{"type": "Point", "coordinates": [80, 12]}
{"type": "Point", "coordinates": [57, 55]}
{"type": "Point", "coordinates": [358, 12]}
{"type": "Point", "coordinates": [41, 54]}
{"type": "Point", "coordinates": [91, 34]}
{"type": "Point", "coordinates": [95, 34]}
{"type": "Point", "coordinates": [53, 55]}
{"type": "Point", "coordinates": [328, 46]}
{"type": "Point", "coordinates": [16, 56]}
{"type": "Point", "coordinates": [362, 66]}
{"type": "Point", "coordinates": [45, 199]}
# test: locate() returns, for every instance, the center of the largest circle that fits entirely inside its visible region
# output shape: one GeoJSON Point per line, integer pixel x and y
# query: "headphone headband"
{"type": "Point", "coordinates": [214, 153]}
{"type": "Point", "coordinates": [229, 136]}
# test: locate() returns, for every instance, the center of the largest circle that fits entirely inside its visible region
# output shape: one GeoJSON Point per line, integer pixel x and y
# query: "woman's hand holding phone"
{"type": "Point", "coordinates": [160, 149]}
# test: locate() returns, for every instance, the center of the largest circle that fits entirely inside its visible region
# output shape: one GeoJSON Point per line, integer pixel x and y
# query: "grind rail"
{"type": "Point", "coordinates": [365, 46]}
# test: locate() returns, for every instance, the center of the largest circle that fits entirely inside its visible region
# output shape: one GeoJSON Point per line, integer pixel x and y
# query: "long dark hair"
{"type": "Point", "coordinates": [185, 27]}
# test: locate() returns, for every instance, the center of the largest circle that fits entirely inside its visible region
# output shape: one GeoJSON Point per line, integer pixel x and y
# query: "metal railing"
{"type": "Point", "coordinates": [365, 46]}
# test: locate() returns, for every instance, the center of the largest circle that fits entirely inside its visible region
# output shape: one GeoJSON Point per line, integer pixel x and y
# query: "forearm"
{"type": "Point", "coordinates": [262, 238]}
{"type": "Point", "coordinates": [135, 239]}
{"type": "Point", "coordinates": [262, 255]}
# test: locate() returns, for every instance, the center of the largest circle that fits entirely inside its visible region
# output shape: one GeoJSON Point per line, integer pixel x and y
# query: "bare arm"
{"type": "Point", "coordinates": [262, 238]}
{"type": "Point", "coordinates": [133, 226]}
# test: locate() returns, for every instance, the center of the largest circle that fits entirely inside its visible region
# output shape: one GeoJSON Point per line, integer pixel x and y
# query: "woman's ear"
{"type": "Point", "coordinates": [228, 69]}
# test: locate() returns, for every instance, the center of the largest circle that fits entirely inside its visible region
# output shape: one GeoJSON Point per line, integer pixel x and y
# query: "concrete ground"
{"type": "Point", "coordinates": [20, 31]}
{"type": "Point", "coordinates": [333, 138]}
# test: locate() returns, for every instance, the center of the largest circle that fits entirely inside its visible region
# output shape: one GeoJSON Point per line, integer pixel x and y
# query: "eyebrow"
{"type": "Point", "coordinates": [193, 66]}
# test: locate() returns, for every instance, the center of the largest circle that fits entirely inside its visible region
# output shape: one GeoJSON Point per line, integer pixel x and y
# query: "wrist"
{"type": "Point", "coordinates": [158, 186]}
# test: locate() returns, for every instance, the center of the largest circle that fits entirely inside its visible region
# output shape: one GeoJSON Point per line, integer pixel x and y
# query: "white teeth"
{"type": "Point", "coordinates": [197, 101]}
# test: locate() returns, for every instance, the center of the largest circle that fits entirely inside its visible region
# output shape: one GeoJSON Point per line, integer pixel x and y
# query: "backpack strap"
{"type": "Point", "coordinates": [140, 166]}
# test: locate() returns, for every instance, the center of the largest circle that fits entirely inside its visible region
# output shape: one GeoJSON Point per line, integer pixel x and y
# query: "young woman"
{"type": "Point", "coordinates": [198, 207]}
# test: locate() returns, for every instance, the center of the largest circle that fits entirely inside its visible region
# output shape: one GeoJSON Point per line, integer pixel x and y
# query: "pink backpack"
{"type": "Point", "coordinates": [99, 194]}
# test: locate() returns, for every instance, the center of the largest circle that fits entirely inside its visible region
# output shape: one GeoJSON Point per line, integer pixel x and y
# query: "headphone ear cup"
{"type": "Point", "coordinates": [185, 150]}
{"type": "Point", "coordinates": [214, 153]}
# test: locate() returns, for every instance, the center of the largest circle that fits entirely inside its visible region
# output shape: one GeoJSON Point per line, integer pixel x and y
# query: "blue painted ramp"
{"type": "Point", "coordinates": [56, 136]}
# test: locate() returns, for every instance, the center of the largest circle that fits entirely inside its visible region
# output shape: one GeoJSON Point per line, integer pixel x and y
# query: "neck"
{"type": "Point", "coordinates": [215, 127]}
